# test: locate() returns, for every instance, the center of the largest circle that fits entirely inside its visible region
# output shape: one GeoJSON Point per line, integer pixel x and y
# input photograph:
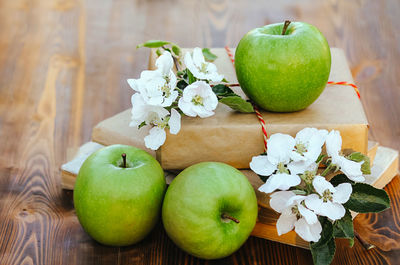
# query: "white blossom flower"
{"type": "Point", "coordinates": [201, 69]}
{"type": "Point", "coordinates": [156, 138]}
{"type": "Point", "coordinates": [295, 215]}
{"type": "Point", "coordinates": [198, 99]}
{"type": "Point", "coordinates": [143, 112]}
{"type": "Point", "coordinates": [328, 202]}
{"type": "Point", "coordinates": [350, 168]}
{"type": "Point", "coordinates": [157, 135]}
{"type": "Point", "coordinates": [157, 87]}
{"type": "Point", "coordinates": [156, 116]}
{"type": "Point", "coordinates": [274, 164]}
{"type": "Point", "coordinates": [309, 142]}
{"type": "Point", "coordinates": [307, 149]}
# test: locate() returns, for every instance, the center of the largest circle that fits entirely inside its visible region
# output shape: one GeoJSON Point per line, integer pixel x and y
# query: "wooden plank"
{"type": "Point", "coordinates": [63, 66]}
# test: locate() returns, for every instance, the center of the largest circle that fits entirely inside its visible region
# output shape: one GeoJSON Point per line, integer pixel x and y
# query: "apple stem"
{"type": "Point", "coordinates": [226, 216]}
{"type": "Point", "coordinates": [124, 160]}
{"type": "Point", "coordinates": [287, 22]}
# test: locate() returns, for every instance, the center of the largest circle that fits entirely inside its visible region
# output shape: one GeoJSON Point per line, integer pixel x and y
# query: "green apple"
{"type": "Point", "coordinates": [118, 194]}
{"type": "Point", "coordinates": [209, 210]}
{"type": "Point", "coordinates": [283, 72]}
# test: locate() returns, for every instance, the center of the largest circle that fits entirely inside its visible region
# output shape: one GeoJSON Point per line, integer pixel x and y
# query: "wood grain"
{"type": "Point", "coordinates": [63, 66]}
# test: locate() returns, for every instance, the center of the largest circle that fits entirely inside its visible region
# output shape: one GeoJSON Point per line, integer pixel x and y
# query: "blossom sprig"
{"type": "Point", "coordinates": [312, 202]}
{"type": "Point", "coordinates": [174, 89]}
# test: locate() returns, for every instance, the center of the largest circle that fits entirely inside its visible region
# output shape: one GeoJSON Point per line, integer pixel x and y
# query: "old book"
{"type": "Point", "coordinates": [70, 169]}
{"type": "Point", "coordinates": [233, 137]}
{"type": "Point", "coordinates": [372, 148]}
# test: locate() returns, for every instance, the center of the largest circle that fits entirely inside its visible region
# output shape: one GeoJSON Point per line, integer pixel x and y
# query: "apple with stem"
{"type": "Point", "coordinates": [118, 194]}
{"type": "Point", "coordinates": [209, 210]}
{"type": "Point", "coordinates": [283, 67]}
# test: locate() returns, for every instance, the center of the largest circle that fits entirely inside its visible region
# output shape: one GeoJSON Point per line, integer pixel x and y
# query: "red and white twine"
{"type": "Point", "coordinates": [257, 111]}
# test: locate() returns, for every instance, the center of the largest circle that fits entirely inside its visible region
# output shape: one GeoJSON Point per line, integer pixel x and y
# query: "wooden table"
{"type": "Point", "coordinates": [63, 66]}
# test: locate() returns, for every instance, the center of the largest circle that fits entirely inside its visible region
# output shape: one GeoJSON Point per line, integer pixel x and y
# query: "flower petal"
{"type": "Point", "coordinates": [147, 75]}
{"type": "Point", "coordinates": [169, 100]}
{"type": "Point", "coordinates": [280, 181]}
{"type": "Point", "coordinates": [279, 200]}
{"type": "Point", "coordinates": [333, 211]}
{"type": "Point", "coordinates": [295, 200]}
{"type": "Point", "coordinates": [297, 157]}
{"type": "Point", "coordinates": [211, 101]}
{"type": "Point", "coordinates": [343, 192]}
{"type": "Point", "coordinates": [285, 223]}
{"type": "Point", "coordinates": [351, 169]}
{"type": "Point", "coordinates": [279, 148]}
{"type": "Point", "coordinates": [155, 139]}
{"type": "Point", "coordinates": [133, 84]}
{"type": "Point", "coordinates": [308, 232]}
{"type": "Point", "coordinates": [164, 63]}
{"type": "Point", "coordinates": [315, 144]}
{"type": "Point", "coordinates": [321, 184]}
{"type": "Point", "coordinates": [268, 187]}
{"type": "Point", "coordinates": [314, 202]}
{"type": "Point", "coordinates": [287, 181]}
{"type": "Point", "coordinates": [157, 111]}
{"type": "Point", "coordinates": [198, 57]}
{"type": "Point", "coordinates": [213, 76]}
{"type": "Point", "coordinates": [261, 165]}
{"type": "Point", "coordinates": [174, 122]}
{"type": "Point", "coordinates": [202, 112]}
{"type": "Point", "coordinates": [138, 110]}
{"type": "Point", "coordinates": [305, 135]}
{"type": "Point", "coordinates": [186, 108]}
{"type": "Point", "coordinates": [310, 216]}
{"type": "Point", "coordinates": [333, 143]}
{"type": "Point", "coordinates": [300, 167]}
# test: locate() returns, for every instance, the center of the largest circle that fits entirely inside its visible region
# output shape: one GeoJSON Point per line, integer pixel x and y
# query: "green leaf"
{"type": "Point", "coordinates": [182, 84]}
{"type": "Point", "coordinates": [344, 228]}
{"type": "Point", "coordinates": [366, 199]}
{"type": "Point", "coordinates": [237, 103]}
{"type": "Point", "coordinates": [158, 52]}
{"type": "Point", "coordinates": [208, 55]}
{"type": "Point", "coordinates": [323, 251]}
{"type": "Point", "coordinates": [142, 124]}
{"type": "Point", "coordinates": [358, 157]}
{"type": "Point", "coordinates": [191, 77]}
{"type": "Point", "coordinates": [327, 231]}
{"type": "Point", "coordinates": [224, 80]}
{"type": "Point", "coordinates": [176, 50]}
{"type": "Point", "coordinates": [222, 90]}
{"type": "Point", "coordinates": [153, 44]}
{"type": "Point", "coordinates": [339, 179]}
{"type": "Point", "coordinates": [323, 254]}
